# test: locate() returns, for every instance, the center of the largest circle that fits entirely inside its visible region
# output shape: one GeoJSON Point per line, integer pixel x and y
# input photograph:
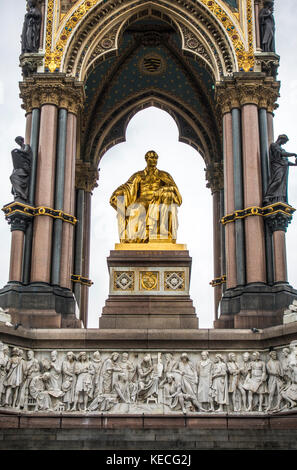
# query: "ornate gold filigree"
{"type": "Point", "coordinates": [149, 280]}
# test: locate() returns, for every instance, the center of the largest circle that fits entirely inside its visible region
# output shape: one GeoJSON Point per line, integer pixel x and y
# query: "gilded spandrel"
{"type": "Point", "coordinates": [147, 205]}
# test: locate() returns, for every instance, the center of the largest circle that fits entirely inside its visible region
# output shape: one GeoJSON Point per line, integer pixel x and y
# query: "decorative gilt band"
{"type": "Point", "coordinates": [24, 209]}
{"type": "Point", "coordinates": [218, 281]}
{"type": "Point", "coordinates": [81, 280]}
{"type": "Point", "coordinates": [276, 208]}
{"type": "Point", "coordinates": [61, 91]}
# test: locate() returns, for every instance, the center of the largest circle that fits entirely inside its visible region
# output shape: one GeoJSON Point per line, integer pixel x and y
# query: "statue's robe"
{"type": "Point", "coordinates": [137, 216]}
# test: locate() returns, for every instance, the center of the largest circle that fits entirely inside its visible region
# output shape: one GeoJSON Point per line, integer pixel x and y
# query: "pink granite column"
{"type": "Point", "coordinates": [28, 128]}
{"type": "Point", "coordinates": [16, 255]}
{"type": "Point", "coordinates": [270, 127]}
{"type": "Point", "coordinates": [44, 195]}
{"type": "Point", "coordinates": [254, 229]}
{"type": "Point", "coordinates": [229, 202]}
{"type": "Point", "coordinates": [69, 204]}
{"type": "Point", "coordinates": [280, 256]}
{"type": "Point", "coordinates": [257, 26]}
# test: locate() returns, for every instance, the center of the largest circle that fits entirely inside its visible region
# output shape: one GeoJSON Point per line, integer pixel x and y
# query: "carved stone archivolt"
{"type": "Point", "coordinates": [137, 381]}
{"type": "Point", "coordinates": [60, 91]}
{"type": "Point", "coordinates": [236, 92]}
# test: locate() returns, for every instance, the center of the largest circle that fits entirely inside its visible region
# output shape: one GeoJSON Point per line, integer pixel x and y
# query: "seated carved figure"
{"type": "Point", "coordinates": [147, 205]}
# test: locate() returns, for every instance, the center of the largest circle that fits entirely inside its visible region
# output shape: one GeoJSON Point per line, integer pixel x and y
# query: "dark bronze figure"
{"type": "Point", "coordinates": [31, 28]}
{"type": "Point", "coordinates": [279, 165]}
{"type": "Point", "coordinates": [267, 27]}
{"type": "Point", "coordinates": [22, 162]}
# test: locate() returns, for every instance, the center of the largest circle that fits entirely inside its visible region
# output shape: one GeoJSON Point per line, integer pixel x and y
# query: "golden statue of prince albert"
{"type": "Point", "coordinates": [147, 205]}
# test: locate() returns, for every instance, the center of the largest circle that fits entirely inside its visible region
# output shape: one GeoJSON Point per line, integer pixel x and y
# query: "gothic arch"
{"type": "Point", "coordinates": [98, 29]}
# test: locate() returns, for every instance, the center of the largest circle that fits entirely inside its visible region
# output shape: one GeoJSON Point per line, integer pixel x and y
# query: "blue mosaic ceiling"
{"type": "Point", "coordinates": [141, 69]}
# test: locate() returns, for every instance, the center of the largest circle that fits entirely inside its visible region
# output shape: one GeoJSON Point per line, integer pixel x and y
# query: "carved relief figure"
{"type": "Point", "coordinates": [37, 390]}
{"type": "Point", "coordinates": [234, 374]}
{"type": "Point", "coordinates": [84, 381]}
{"type": "Point", "coordinates": [125, 386]}
{"type": "Point", "coordinates": [31, 28]}
{"type": "Point", "coordinates": [289, 392]}
{"type": "Point", "coordinates": [279, 164]}
{"type": "Point", "coordinates": [244, 372]}
{"type": "Point", "coordinates": [69, 379]}
{"type": "Point", "coordinates": [16, 369]}
{"type": "Point", "coordinates": [275, 382]}
{"type": "Point", "coordinates": [20, 177]}
{"type": "Point", "coordinates": [219, 386]}
{"type": "Point", "coordinates": [205, 368]}
{"type": "Point", "coordinates": [147, 205]}
{"type": "Point", "coordinates": [267, 27]}
{"type": "Point", "coordinates": [187, 376]}
{"type": "Point", "coordinates": [148, 379]}
{"type": "Point", "coordinates": [96, 365]}
{"type": "Point", "coordinates": [4, 358]}
{"type": "Point", "coordinates": [173, 395]}
{"type": "Point", "coordinates": [32, 369]}
{"type": "Point", "coordinates": [255, 382]}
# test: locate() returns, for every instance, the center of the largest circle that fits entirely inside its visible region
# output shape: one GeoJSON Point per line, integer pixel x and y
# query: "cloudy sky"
{"type": "Point", "coordinates": [149, 129]}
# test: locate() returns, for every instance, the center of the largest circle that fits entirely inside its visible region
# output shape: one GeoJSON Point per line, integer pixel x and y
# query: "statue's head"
{"type": "Point", "coordinates": [19, 140]}
{"type": "Point", "coordinates": [151, 158]}
{"type": "Point", "coordinates": [268, 4]}
{"type": "Point", "coordinates": [283, 139]}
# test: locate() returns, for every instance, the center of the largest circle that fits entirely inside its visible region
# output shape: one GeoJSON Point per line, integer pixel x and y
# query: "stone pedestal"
{"type": "Point", "coordinates": [149, 288]}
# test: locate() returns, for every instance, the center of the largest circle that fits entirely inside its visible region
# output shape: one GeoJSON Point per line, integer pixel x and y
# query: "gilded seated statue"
{"type": "Point", "coordinates": [147, 205]}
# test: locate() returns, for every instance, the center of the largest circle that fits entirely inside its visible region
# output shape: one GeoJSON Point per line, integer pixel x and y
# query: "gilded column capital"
{"type": "Point", "coordinates": [239, 91]}
{"type": "Point", "coordinates": [61, 91]}
{"type": "Point", "coordinates": [86, 176]}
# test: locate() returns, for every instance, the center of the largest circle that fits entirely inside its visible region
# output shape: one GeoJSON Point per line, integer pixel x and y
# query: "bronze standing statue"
{"type": "Point", "coordinates": [31, 28]}
{"type": "Point", "coordinates": [279, 165]}
{"type": "Point", "coordinates": [267, 27]}
{"type": "Point", "coordinates": [20, 178]}
{"type": "Point", "coordinates": [147, 205]}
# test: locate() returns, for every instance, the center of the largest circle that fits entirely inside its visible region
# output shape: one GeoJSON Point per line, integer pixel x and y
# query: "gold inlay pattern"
{"type": "Point", "coordinates": [149, 280]}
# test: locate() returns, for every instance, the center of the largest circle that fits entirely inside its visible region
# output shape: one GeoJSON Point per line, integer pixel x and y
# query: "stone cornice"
{"type": "Point", "coordinates": [86, 176]}
{"type": "Point", "coordinates": [249, 89]}
{"type": "Point", "coordinates": [58, 90]}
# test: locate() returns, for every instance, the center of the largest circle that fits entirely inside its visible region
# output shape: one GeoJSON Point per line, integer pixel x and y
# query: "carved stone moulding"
{"type": "Point", "coordinates": [268, 63]}
{"type": "Point", "coordinates": [86, 176]}
{"type": "Point", "coordinates": [56, 89]}
{"type": "Point", "coordinates": [30, 63]}
{"type": "Point", "coordinates": [148, 381]}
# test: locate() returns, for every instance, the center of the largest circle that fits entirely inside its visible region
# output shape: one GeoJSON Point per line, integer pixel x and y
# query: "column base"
{"type": "Point", "coordinates": [39, 305]}
{"type": "Point", "coordinates": [255, 306]}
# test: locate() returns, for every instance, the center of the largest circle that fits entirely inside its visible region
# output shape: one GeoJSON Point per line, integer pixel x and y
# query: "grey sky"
{"type": "Point", "coordinates": [150, 129]}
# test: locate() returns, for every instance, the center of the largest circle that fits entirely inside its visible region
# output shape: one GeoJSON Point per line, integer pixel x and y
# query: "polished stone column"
{"type": "Point", "coordinates": [44, 195]}
{"type": "Point", "coordinates": [217, 255]}
{"type": "Point", "coordinates": [86, 257]}
{"type": "Point", "coordinates": [280, 256]}
{"type": "Point", "coordinates": [238, 196]}
{"type": "Point", "coordinates": [16, 255]}
{"type": "Point", "coordinates": [59, 195]}
{"type": "Point", "coordinates": [66, 267]}
{"type": "Point", "coordinates": [229, 201]}
{"type": "Point", "coordinates": [264, 146]}
{"type": "Point", "coordinates": [34, 141]}
{"type": "Point", "coordinates": [254, 229]}
{"type": "Point", "coordinates": [79, 238]}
